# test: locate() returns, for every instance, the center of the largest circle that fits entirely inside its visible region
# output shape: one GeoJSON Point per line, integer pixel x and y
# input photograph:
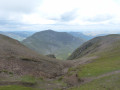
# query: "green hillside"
{"type": "Point", "coordinates": [61, 44]}
{"type": "Point", "coordinates": [102, 72]}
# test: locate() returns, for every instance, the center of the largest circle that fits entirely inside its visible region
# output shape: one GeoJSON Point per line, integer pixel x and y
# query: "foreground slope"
{"type": "Point", "coordinates": [61, 44]}
{"type": "Point", "coordinates": [97, 64]}
{"type": "Point", "coordinates": [18, 60]}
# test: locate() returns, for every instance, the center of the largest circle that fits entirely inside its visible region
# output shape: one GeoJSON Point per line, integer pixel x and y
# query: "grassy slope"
{"type": "Point", "coordinates": [108, 61]}
{"type": "Point", "coordinates": [63, 53]}
{"type": "Point", "coordinates": [106, 83]}
{"type": "Point", "coordinates": [33, 83]}
{"type": "Point", "coordinates": [15, 87]}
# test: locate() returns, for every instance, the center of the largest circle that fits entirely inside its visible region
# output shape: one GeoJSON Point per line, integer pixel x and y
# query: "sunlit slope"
{"type": "Point", "coordinates": [102, 72]}
{"type": "Point", "coordinates": [111, 82]}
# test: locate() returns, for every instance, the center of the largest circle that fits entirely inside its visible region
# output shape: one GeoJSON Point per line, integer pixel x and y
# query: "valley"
{"type": "Point", "coordinates": [59, 44]}
{"type": "Point", "coordinates": [92, 66]}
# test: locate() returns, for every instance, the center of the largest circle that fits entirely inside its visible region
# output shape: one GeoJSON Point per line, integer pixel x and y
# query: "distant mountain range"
{"type": "Point", "coordinates": [81, 35]}
{"type": "Point", "coordinates": [18, 35]}
{"type": "Point", "coordinates": [21, 35]}
{"type": "Point", "coordinates": [61, 44]}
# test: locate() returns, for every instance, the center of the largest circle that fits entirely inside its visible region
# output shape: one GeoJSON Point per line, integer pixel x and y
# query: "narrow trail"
{"type": "Point", "coordinates": [87, 80]}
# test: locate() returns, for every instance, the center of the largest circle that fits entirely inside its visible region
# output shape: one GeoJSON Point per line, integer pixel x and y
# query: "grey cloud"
{"type": "Point", "coordinates": [11, 11]}
{"type": "Point", "coordinates": [25, 6]}
{"type": "Point", "coordinates": [100, 18]}
{"type": "Point", "coordinates": [66, 17]}
{"type": "Point", "coordinates": [8, 22]}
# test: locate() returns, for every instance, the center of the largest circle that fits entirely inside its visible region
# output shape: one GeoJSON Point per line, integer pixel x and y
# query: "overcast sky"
{"type": "Point", "coordinates": [88, 16]}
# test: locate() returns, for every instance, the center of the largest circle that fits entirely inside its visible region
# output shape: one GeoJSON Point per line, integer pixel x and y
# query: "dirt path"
{"type": "Point", "coordinates": [87, 80]}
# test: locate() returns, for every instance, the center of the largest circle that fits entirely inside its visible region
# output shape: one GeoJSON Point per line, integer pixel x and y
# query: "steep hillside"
{"type": "Point", "coordinates": [18, 60]}
{"type": "Point", "coordinates": [97, 64]}
{"type": "Point", "coordinates": [96, 45]}
{"type": "Point", "coordinates": [61, 44]}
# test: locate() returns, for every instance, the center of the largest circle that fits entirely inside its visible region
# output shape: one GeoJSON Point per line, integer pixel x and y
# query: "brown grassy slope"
{"type": "Point", "coordinates": [17, 59]}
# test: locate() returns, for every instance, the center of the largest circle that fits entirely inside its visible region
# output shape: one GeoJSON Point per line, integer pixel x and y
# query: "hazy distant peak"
{"type": "Point", "coordinates": [49, 30]}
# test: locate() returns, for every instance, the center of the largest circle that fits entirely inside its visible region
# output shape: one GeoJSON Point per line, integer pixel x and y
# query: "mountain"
{"type": "Point", "coordinates": [61, 44]}
{"type": "Point", "coordinates": [18, 60]}
{"type": "Point", "coordinates": [93, 66]}
{"type": "Point", "coordinates": [18, 35]}
{"type": "Point", "coordinates": [81, 35]}
{"type": "Point", "coordinates": [96, 64]}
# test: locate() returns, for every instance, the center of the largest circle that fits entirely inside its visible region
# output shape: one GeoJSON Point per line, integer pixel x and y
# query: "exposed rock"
{"type": "Point", "coordinates": [51, 55]}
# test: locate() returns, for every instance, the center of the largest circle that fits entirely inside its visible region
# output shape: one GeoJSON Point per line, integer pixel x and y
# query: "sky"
{"type": "Point", "coordinates": [88, 16]}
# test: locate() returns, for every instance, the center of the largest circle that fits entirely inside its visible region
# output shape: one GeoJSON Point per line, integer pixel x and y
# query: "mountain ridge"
{"type": "Point", "coordinates": [61, 44]}
{"type": "Point", "coordinates": [93, 45]}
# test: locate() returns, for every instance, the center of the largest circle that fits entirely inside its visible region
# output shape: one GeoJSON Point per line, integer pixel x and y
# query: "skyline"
{"type": "Point", "coordinates": [87, 16]}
